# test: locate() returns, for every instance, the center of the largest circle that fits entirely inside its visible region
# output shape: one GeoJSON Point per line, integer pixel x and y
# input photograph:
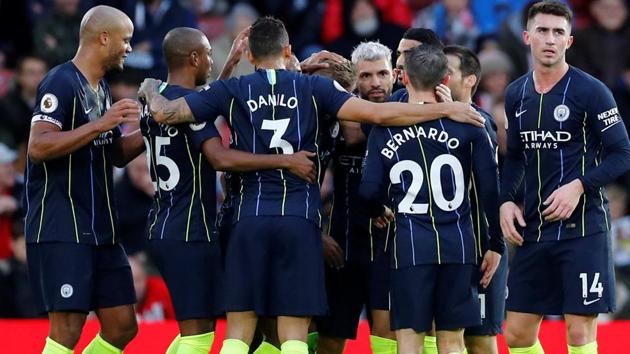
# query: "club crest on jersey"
{"type": "Point", "coordinates": [66, 291]}
{"type": "Point", "coordinates": [49, 103]}
{"type": "Point", "coordinates": [561, 113]}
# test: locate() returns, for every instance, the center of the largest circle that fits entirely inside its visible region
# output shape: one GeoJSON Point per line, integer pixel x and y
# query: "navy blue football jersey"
{"type": "Point", "coordinates": [556, 137]}
{"type": "Point", "coordinates": [273, 112]}
{"type": "Point", "coordinates": [349, 223]}
{"type": "Point", "coordinates": [184, 206]}
{"type": "Point", "coordinates": [70, 198]}
{"type": "Point", "coordinates": [425, 170]}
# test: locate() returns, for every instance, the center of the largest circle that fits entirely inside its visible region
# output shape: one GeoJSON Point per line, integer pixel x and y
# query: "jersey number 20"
{"type": "Point", "coordinates": [407, 205]}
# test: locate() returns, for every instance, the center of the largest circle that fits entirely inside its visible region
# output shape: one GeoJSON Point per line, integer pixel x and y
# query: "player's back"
{"type": "Point", "coordinates": [280, 112]}
{"type": "Point", "coordinates": [427, 169]}
{"type": "Point", "coordinates": [184, 205]}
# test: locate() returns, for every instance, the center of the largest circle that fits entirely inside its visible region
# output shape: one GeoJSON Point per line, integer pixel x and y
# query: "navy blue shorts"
{"type": "Point", "coordinates": [491, 301]}
{"type": "Point", "coordinates": [349, 289]}
{"type": "Point", "coordinates": [275, 267]}
{"type": "Point", "coordinates": [79, 277]}
{"type": "Point", "coordinates": [572, 276]}
{"type": "Point", "coordinates": [193, 274]}
{"type": "Point", "coordinates": [442, 292]}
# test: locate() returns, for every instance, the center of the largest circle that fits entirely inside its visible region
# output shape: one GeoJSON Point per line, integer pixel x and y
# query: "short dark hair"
{"type": "Point", "coordinates": [550, 7]}
{"type": "Point", "coordinates": [344, 73]}
{"type": "Point", "coordinates": [178, 43]}
{"type": "Point", "coordinates": [426, 66]}
{"type": "Point", "coordinates": [469, 62]}
{"type": "Point", "coordinates": [267, 37]}
{"type": "Point", "coordinates": [424, 36]}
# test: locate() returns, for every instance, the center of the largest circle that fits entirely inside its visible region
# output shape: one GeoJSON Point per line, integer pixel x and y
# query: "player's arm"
{"type": "Point", "coordinates": [232, 160]}
{"type": "Point", "coordinates": [605, 122]}
{"type": "Point", "coordinates": [352, 132]}
{"type": "Point", "coordinates": [47, 141]}
{"type": "Point", "coordinates": [161, 108]}
{"type": "Point", "coordinates": [486, 178]}
{"type": "Point", "coordinates": [236, 52]}
{"type": "Point", "coordinates": [126, 148]}
{"type": "Point", "coordinates": [372, 191]}
{"type": "Point", "coordinates": [403, 114]}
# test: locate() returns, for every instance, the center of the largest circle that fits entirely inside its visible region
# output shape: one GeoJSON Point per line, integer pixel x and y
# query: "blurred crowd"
{"type": "Point", "coordinates": [36, 35]}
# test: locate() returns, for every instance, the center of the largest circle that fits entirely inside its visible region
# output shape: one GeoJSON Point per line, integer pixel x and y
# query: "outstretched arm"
{"type": "Point", "coordinates": [403, 114]}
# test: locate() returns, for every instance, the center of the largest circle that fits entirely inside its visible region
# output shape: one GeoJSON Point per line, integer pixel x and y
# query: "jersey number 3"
{"type": "Point", "coordinates": [279, 127]}
{"type": "Point", "coordinates": [407, 205]}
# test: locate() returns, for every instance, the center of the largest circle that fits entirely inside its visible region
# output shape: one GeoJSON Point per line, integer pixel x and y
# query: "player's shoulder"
{"type": "Point", "coordinates": [61, 75]}
{"type": "Point", "coordinates": [585, 83]}
{"type": "Point", "coordinates": [518, 85]}
{"type": "Point", "coordinates": [400, 95]}
{"type": "Point", "coordinates": [176, 91]}
{"type": "Point", "coordinates": [489, 123]}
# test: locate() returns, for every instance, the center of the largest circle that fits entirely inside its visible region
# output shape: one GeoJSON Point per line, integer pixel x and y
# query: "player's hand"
{"type": "Point", "coordinates": [562, 202]}
{"type": "Point", "coordinates": [443, 93]}
{"type": "Point", "coordinates": [463, 113]}
{"type": "Point", "coordinates": [509, 212]}
{"type": "Point", "coordinates": [333, 254]}
{"type": "Point", "coordinates": [489, 266]}
{"type": "Point", "coordinates": [302, 165]}
{"type": "Point", "coordinates": [382, 221]}
{"type": "Point", "coordinates": [148, 86]}
{"type": "Point", "coordinates": [238, 46]}
{"type": "Point", "coordinates": [123, 111]}
{"type": "Point", "coordinates": [315, 61]}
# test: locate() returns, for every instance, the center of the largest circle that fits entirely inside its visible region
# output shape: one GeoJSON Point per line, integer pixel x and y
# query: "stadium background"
{"type": "Point", "coordinates": [36, 35]}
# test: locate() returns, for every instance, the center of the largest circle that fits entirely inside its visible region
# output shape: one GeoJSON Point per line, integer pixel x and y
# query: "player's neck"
{"type": "Point", "coordinates": [271, 63]}
{"type": "Point", "coordinates": [181, 79]}
{"type": "Point", "coordinates": [420, 96]}
{"type": "Point", "coordinates": [545, 78]}
{"type": "Point", "coordinates": [90, 66]}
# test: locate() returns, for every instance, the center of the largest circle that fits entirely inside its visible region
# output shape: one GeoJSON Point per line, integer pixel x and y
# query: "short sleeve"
{"type": "Point", "coordinates": [200, 132]}
{"type": "Point", "coordinates": [210, 102]}
{"type": "Point", "coordinates": [329, 94]}
{"type": "Point", "coordinates": [54, 101]}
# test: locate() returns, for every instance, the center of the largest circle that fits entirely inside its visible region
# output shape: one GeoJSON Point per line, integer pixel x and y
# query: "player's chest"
{"type": "Point", "coordinates": [550, 121]}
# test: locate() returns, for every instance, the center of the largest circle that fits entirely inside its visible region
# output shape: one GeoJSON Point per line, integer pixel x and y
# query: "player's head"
{"type": "Point", "coordinates": [344, 73]}
{"type": "Point", "coordinates": [188, 49]}
{"type": "Point", "coordinates": [548, 32]}
{"type": "Point", "coordinates": [426, 67]}
{"type": "Point", "coordinates": [373, 63]}
{"type": "Point", "coordinates": [107, 31]}
{"type": "Point", "coordinates": [268, 39]}
{"type": "Point", "coordinates": [464, 70]}
{"type": "Point", "coordinates": [414, 37]}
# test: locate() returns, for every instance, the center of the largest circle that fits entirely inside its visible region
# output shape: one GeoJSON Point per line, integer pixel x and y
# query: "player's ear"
{"type": "Point", "coordinates": [570, 42]}
{"type": "Point", "coordinates": [405, 77]}
{"type": "Point", "coordinates": [250, 57]}
{"type": "Point", "coordinates": [286, 52]}
{"type": "Point", "coordinates": [103, 38]}
{"type": "Point", "coordinates": [526, 37]}
{"type": "Point", "coordinates": [193, 57]}
{"type": "Point", "coordinates": [470, 81]}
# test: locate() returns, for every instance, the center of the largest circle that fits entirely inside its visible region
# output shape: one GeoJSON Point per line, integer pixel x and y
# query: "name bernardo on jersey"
{"type": "Point", "coordinates": [415, 132]}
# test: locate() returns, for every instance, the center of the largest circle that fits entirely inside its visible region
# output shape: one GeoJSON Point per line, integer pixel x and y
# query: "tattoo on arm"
{"type": "Point", "coordinates": [170, 112]}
